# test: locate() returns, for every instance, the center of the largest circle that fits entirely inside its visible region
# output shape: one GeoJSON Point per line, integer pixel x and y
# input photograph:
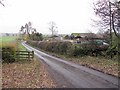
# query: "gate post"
{"type": "Point", "coordinates": [32, 54]}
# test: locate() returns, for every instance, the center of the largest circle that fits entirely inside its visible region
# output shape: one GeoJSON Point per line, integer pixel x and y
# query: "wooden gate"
{"type": "Point", "coordinates": [24, 55]}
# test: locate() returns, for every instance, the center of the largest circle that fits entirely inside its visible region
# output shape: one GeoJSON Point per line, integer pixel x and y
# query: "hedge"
{"type": "Point", "coordinates": [55, 47]}
{"type": "Point", "coordinates": [68, 48]}
{"type": "Point", "coordinates": [8, 54]}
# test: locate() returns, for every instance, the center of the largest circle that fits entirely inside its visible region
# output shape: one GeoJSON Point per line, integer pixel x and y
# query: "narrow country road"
{"type": "Point", "coordinates": [71, 75]}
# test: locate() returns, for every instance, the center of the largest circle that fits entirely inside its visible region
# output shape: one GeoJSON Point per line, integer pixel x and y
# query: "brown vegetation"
{"type": "Point", "coordinates": [25, 75]}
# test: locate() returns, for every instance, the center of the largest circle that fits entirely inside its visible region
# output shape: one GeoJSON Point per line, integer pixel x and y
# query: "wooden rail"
{"type": "Point", "coordinates": [24, 55]}
{"type": "Point", "coordinates": [7, 53]}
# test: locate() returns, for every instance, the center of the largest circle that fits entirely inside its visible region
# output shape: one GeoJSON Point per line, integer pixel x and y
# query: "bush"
{"type": "Point", "coordinates": [8, 54]}
{"type": "Point", "coordinates": [77, 50]}
{"type": "Point", "coordinates": [68, 48]}
{"type": "Point", "coordinates": [36, 36]}
{"type": "Point", "coordinates": [56, 47]}
{"type": "Point", "coordinates": [112, 51]}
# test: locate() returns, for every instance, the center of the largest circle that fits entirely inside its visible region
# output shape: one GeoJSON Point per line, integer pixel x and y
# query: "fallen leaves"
{"type": "Point", "coordinates": [98, 63]}
{"type": "Point", "coordinates": [101, 64]}
{"type": "Point", "coordinates": [26, 75]}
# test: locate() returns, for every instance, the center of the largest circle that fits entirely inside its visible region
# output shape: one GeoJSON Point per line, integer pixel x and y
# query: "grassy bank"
{"type": "Point", "coordinates": [101, 64]}
{"type": "Point", "coordinates": [98, 63]}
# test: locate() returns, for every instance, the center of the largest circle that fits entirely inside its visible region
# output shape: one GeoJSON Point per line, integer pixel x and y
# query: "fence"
{"type": "Point", "coordinates": [11, 55]}
{"type": "Point", "coordinates": [24, 55]}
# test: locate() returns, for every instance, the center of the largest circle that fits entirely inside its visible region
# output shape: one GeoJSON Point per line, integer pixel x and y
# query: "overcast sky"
{"type": "Point", "coordinates": [70, 16]}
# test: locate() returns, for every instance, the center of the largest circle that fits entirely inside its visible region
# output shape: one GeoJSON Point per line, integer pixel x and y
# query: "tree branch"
{"type": "Point", "coordinates": [2, 3]}
{"type": "Point", "coordinates": [113, 26]}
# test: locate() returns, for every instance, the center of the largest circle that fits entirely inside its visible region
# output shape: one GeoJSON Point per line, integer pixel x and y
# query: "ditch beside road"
{"type": "Point", "coordinates": [71, 75]}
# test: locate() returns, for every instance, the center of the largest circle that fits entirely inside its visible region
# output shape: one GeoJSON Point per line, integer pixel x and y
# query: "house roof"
{"type": "Point", "coordinates": [88, 35]}
{"type": "Point", "coordinates": [84, 34]}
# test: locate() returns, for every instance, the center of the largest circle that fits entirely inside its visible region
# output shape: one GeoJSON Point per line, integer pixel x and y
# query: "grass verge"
{"type": "Point", "coordinates": [101, 64]}
{"type": "Point", "coordinates": [21, 47]}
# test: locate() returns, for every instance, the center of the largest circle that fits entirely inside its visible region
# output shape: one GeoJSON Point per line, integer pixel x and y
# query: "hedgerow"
{"type": "Point", "coordinates": [68, 48]}
{"type": "Point", "coordinates": [56, 47]}
{"type": "Point", "coordinates": [8, 54]}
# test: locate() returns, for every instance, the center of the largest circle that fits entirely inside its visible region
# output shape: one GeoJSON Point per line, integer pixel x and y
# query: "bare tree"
{"type": "Point", "coordinates": [116, 20]}
{"type": "Point", "coordinates": [27, 29]}
{"type": "Point", "coordinates": [1, 2]}
{"type": "Point", "coordinates": [22, 32]}
{"type": "Point", "coordinates": [117, 30]}
{"type": "Point", "coordinates": [52, 27]}
{"type": "Point", "coordinates": [109, 12]}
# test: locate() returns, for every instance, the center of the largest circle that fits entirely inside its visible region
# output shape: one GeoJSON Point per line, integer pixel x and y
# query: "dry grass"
{"type": "Point", "coordinates": [105, 65]}
{"type": "Point", "coordinates": [11, 44]}
{"type": "Point", "coordinates": [25, 75]}
{"type": "Point", "coordinates": [102, 64]}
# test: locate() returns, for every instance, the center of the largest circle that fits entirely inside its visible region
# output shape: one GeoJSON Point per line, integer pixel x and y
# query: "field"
{"type": "Point", "coordinates": [8, 38]}
{"type": "Point", "coordinates": [7, 41]}
{"type": "Point", "coordinates": [11, 41]}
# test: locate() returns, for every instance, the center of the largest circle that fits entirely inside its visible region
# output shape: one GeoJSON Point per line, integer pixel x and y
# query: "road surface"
{"type": "Point", "coordinates": [71, 75]}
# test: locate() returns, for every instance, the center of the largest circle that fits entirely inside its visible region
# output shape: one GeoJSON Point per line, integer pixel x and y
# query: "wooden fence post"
{"type": "Point", "coordinates": [32, 54]}
{"type": "Point", "coordinates": [29, 55]}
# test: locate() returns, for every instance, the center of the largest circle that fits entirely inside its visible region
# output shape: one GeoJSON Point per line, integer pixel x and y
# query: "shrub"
{"type": "Point", "coordinates": [68, 48]}
{"type": "Point", "coordinates": [53, 46]}
{"type": "Point", "coordinates": [77, 50]}
{"type": "Point", "coordinates": [8, 54]}
{"type": "Point", "coordinates": [112, 50]}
